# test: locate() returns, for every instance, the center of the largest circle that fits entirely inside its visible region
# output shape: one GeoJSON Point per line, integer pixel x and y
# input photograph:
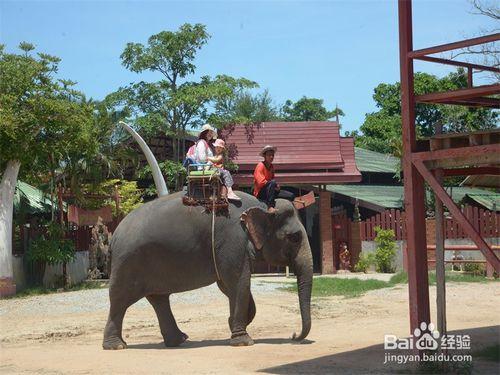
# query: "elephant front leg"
{"type": "Point", "coordinates": [240, 315]}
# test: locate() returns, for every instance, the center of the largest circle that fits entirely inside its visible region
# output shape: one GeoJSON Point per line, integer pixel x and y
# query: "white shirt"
{"type": "Point", "coordinates": [202, 152]}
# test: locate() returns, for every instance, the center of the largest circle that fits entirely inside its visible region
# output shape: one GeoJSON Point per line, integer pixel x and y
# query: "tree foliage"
{"type": "Point", "coordinates": [381, 130]}
{"type": "Point", "coordinates": [308, 109]}
{"type": "Point", "coordinates": [244, 108]}
{"type": "Point", "coordinates": [171, 170]}
{"type": "Point", "coordinates": [107, 159]}
{"type": "Point", "coordinates": [173, 103]}
{"type": "Point", "coordinates": [42, 119]}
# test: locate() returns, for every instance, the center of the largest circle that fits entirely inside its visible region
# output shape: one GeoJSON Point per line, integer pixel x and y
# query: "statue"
{"type": "Point", "coordinates": [345, 257]}
{"type": "Point", "coordinates": [99, 251]}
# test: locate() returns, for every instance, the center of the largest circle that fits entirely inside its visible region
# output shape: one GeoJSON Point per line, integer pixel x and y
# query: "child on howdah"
{"type": "Point", "coordinates": [218, 162]}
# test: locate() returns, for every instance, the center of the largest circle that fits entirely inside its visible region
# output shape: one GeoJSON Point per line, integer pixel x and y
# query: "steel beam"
{"type": "Point", "coordinates": [458, 215]}
{"type": "Point", "coordinates": [440, 260]}
{"type": "Point", "coordinates": [494, 171]}
{"type": "Point", "coordinates": [461, 94]}
{"type": "Point", "coordinates": [458, 152]}
{"type": "Point", "coordinates": [458, 63]}
{"type": "Point", "coordinates": [475, 102]}
{"type": "Point", "coordinates": [418, 284]}
{"type": "Point", "coordinates": [456, 45]}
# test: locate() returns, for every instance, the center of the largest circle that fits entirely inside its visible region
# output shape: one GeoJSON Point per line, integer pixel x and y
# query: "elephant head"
{"type": "Point", "coordinates": [282, 240]}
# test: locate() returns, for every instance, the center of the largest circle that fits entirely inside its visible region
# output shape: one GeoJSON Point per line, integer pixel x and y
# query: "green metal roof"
{"type": "Point", "coordinates": [371, 161]}
{"type": "Point", "coordinates": [385, 196]}
{"type": "Point", "coordinates": [390, 196]}
{"type": "Point", "coordinates": [30, 200]}
{"type": "Point", "coordinates": [491, 200]}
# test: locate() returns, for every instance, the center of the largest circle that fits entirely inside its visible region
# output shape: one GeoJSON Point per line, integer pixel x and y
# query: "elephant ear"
{"type": "Point", "coordinates": [257, 222]}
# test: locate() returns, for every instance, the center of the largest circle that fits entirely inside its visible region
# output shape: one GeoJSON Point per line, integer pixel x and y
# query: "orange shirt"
{"type": "Point", "coordinates": [261, 176]}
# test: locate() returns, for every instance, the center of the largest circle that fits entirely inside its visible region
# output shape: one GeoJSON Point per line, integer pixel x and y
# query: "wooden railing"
{"type": "Point", "coordinates": [486, 223]}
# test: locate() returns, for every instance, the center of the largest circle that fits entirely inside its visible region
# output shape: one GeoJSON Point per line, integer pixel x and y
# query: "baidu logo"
{"type": "Point", "coordinates": [426, 340]}
{"type": "Point", "coordinates": [425, 337]}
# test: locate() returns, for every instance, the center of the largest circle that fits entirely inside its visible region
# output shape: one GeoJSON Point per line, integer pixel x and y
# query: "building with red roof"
{"type": "Point", "coordinates": [308, 153]}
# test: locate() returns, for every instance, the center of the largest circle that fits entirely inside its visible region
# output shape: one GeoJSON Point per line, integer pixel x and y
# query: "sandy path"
{"type": "Point", "coordinates": [345, 337]}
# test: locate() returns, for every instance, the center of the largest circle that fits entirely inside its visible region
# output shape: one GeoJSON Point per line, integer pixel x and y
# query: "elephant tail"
{"type": "Point", "coordinates": [161, 186]}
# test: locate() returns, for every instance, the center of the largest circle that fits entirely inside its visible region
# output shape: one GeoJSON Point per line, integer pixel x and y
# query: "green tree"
{"type": "Point", "coordinates": [42, 119]}
{"type": "Point", "coordinates": [244, 108]}
{"type": "Point", "coordinates": [308, 109]}
{"type": "Point", "coordinates": [174, 103]}
{"type": "Point", "coordinates": [107, 159]}
{"type": "Point", "coordinates": [381, 130]}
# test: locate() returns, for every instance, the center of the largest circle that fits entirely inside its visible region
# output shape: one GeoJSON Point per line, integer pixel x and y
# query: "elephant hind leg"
{"type": "Point", "coordinates": [119, 302]}
{"type": "Point", "coordinates": [172, 335]}
{"type": "Point", "coordinates": [113, 331]}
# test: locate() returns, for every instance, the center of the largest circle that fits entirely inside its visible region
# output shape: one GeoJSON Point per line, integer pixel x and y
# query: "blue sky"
{"type": "Point", "coordinates": [334, 50]}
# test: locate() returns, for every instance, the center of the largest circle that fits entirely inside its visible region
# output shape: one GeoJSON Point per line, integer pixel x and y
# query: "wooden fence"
{"type": "Point", "coordinates": [389, 219]}
{"type": "Point", "coordinates": [80, 235]}
{"type": "Point", "coordinates": [486, 222]}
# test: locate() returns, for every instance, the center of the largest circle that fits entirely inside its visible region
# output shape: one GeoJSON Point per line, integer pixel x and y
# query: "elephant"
{"type": "Point", "coordinates": [165, 247]}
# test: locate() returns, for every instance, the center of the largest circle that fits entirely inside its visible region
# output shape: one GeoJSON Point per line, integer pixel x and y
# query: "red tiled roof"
{"type": "Point", "coordinates": [308, 152]}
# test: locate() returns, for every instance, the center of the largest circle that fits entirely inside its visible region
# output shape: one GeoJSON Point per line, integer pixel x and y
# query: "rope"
{"type": "Point", "coordinates": [213, 235]}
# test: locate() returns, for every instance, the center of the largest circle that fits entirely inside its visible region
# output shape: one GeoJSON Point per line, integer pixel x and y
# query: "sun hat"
{"type": "Point", "coordinates": [220, 143]}
{"type": "Point", "coordinates": [266, 149]}
{"type": "Point", "coordinates": [208, 127]}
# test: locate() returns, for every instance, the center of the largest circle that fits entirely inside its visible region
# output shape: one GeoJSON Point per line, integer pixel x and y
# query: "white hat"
{"type": "Point", "coordinates": [266, 149]}
{"type": "Point", "coordinates": [208, 127]}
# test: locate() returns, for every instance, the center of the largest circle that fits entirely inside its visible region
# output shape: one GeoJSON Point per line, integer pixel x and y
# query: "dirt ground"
{"type": "Point", "coordinates": [346, 337]}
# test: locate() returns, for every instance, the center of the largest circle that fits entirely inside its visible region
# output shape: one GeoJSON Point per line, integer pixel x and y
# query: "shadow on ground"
{"type": "Point", "coordinates": [370, 360]}
{"type": "Point", "coordinates": [205, 343]}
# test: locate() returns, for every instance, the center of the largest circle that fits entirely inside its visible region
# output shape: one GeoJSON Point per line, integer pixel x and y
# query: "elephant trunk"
{"type": "Point", "coordinates": [160, 184]}
{"type": "Point", "coordinates": [303, 266]}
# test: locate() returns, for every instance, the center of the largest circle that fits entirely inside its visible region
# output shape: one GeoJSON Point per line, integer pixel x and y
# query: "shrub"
{"type": "Point", "coordinates": [130, 196]}
{"type": "Point", "coordinates": [386, 250]}
{"type": "Point", "coordinates": [51, 247]}
{"type": "Point", "coordinates": [476, 269]}
{"type": "Point", "coordinates": [364, 262]}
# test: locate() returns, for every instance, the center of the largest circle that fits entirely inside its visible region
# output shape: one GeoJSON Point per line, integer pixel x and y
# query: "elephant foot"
{"type": "Point", "coordinates": [172, 341]}
{"type": "Point", "coordinates": [241, 340]}
{"type": "Point", "coordinates": [113, 343]}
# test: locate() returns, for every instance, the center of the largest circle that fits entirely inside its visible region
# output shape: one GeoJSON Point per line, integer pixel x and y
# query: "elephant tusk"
{"type": "Point", "coordinates": [160, 184]}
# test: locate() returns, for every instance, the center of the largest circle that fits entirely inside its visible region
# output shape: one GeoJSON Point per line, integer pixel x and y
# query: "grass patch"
{"type": "Point", "coordinates": [327, 286]}
{"type": "Point", "coordinates": [40, 290]}
{"type": "Point", "coordinates": [402, 278]}
{"type": "Point", "coordinates": [490, 353]}
{"type": "Point", "coordinates": [399, 278]}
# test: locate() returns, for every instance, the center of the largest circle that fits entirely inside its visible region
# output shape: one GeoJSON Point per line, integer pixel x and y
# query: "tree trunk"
{"type": "Point", "coordinates": [7, 190]}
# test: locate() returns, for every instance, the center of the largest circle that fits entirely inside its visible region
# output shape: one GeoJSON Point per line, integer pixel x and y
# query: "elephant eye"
{"type": "Point", "coordinates": [295, 237]}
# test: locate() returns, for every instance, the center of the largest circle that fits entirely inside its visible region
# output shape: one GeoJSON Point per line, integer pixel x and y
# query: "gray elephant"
{"type": "Point", "coordinates": [165, 247]}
